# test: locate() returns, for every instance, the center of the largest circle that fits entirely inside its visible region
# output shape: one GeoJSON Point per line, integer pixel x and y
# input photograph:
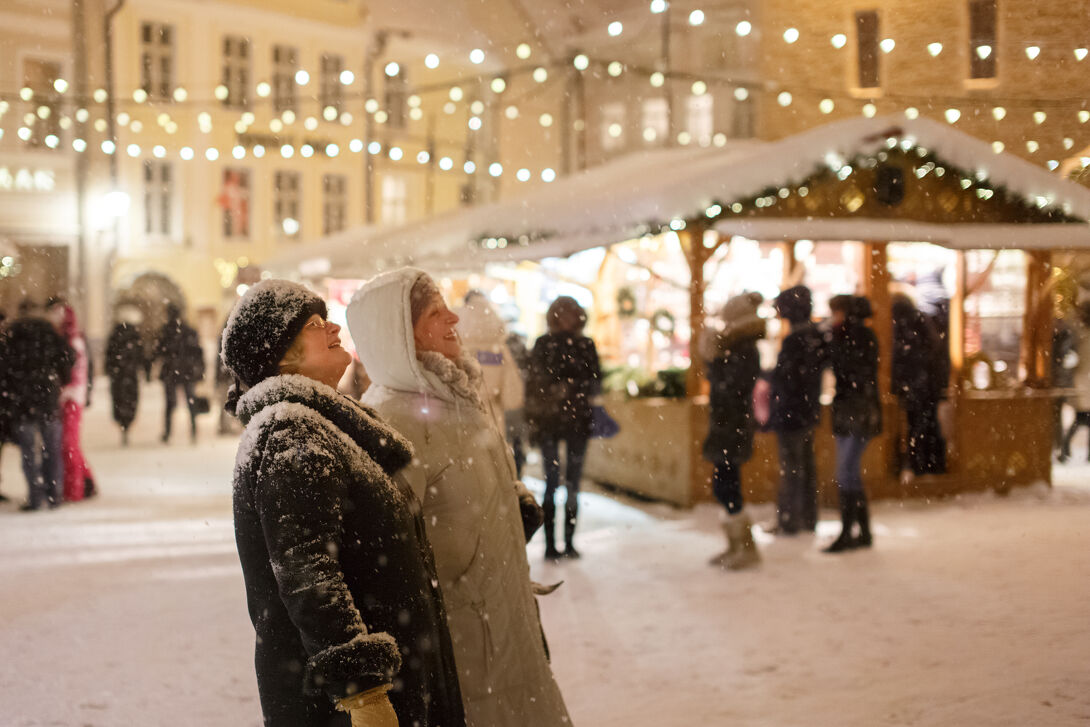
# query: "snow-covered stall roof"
{"type": "Point", "coordinates": [642, 191]}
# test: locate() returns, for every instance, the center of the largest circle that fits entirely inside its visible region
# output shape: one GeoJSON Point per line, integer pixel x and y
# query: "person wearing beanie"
{"type": "Point", "coordinates": [340, 579]}
{"type": "Point", "coordinates": [729, 346]}
{"type": "Point", "coordinates": [563, 377]}
{"type": "Point", "coordinates": [796, 410]}
{"type": "Point", "coordinates": [857, 412]}
{"type": "Point", "coordinates": [919, 375]}
{"type": "Point", "coordinates": [179, 349]}
{"type": "Point", "coordinates": [479, 517]}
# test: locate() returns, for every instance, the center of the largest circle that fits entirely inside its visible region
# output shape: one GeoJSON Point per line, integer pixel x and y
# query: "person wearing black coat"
{"type": "Point", "coordinates": [857, 412]}
{"type": "Point", "coordinates": [124, 362]}
{"type": "Point", "coordinates": [729, 346]}
{"type": "Point", "coordinates": [179, 349]}
{"type": "Point", "coordinates": [340, 579]}
{"type": "Point", "coordinates": [796, 410]}
{"type": "Point", "coordinates": [918, 379]}
{"type": "Point", "coordinates": [39, 361]}
{"type": "Point", "coordinates": [563, 377]}
{"type": "Point", "coordinates": [6, 426]}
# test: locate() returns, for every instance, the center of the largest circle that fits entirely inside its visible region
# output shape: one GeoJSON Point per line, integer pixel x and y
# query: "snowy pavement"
{"type": "Point", "coordinates": [128, 610]}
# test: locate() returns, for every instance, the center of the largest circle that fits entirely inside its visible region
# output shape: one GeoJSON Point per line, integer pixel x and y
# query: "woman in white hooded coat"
{"type": "Point", "coordinates": [478, 515]}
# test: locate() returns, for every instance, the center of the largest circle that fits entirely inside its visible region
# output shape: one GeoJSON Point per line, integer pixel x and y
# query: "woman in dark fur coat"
{"type": "Point", "coordinates": [340, 578]}
{"type": "Point", "coordinates": [729, 346]}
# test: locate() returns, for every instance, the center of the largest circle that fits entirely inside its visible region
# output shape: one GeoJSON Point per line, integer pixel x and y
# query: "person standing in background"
{"type": "Point", "coordinates": [796, 410]}
{"type": "Point", "coordinates": [563, 378]}
{"type": "Point", "coordinates": [733, 365]}
{"type": "Point", "coordinates": [179, 350]}
{"type": "Point", "coordinates": [7, 432]}
{"type": "Point", "coordinates": [919, 379]}
{"type": "Point", "coordinates": [39, 362]}
{"type": "Point", "coordinates": [78, 480]}
{"type": "Point", "coordinates": [484, 337]}
{"type": "Point", "coordinates": [857, 412]}
{"type": "Point", "coordinates": [124, 362]}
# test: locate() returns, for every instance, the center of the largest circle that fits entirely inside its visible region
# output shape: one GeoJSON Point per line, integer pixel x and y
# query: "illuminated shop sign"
{"type": "Point", "coordinates": [26, 180]}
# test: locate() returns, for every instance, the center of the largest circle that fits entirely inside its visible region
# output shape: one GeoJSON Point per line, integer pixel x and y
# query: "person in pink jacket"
{"type": "Point", "coordinates": [78, 482]}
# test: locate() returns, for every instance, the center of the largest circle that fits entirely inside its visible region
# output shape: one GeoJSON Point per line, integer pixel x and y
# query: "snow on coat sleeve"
{"type": "Point", "coordinates": [299, 501]}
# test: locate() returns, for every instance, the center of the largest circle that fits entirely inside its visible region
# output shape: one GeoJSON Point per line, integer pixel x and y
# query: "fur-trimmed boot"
{"type": "Point", "coordinates": [720, 561]}
{"type": "Point", "coordinates": [742, 548]}
{"type": "Point", "coordinates": [848, 508]}
{"type": "Point", "coordinates": [862, 516]}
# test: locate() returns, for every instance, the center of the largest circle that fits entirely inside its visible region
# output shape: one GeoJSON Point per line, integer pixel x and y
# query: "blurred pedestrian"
{"type": "Point", "coordinates": [563, 379]}
{"type": "Point", "coordinates": [7, 428]}
{"type": "Point", "coordinates": [1063, 366]}
{"type": "Point", "coordinates": [919, 380]}
{"type": "Point", "coordinates": [340, 579]}
{"type": "Point", "coordinates": [125, 361]}
{"type": "Point", "coordinates": [429, 388]}
{"type": "Point", "coordinates": [796, 410]}
{"type": "Point", "coordinates": [39, 362]}
{"type": "Point", "coordinates": [1081, 400]}
{"type": "Point", "coordinates": [484, 337]}
{"type": "Point", "coordinates": [857, 413]}
{"type": "Point", "coordinates": [729, 346]}
{"type": "Point", "coordinates": [78, 480]}
{"type": "Point", "coordinates": [178, 348]}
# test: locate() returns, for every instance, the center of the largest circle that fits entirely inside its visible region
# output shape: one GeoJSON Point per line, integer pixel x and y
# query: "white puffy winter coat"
{"type": "Point", "coordinates": [464, 476]}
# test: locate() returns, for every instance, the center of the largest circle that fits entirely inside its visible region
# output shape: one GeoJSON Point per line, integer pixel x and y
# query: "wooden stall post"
{"type": "Point", "coordinates": [876, 288]}
{"type": "Point", "coordinates": [1039, 320]}
{"type": "Point", "coordinates": [692, 242]}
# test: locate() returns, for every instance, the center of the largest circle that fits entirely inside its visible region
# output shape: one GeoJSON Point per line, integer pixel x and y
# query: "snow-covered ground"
{"type": "Point", "coordinates": [129, 610]}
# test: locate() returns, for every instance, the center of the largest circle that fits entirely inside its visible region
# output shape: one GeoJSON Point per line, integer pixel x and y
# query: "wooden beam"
{"type": "Point", "coordinates": [1038, 320]}
{"type": "Point", "coordinates": [876, 280]}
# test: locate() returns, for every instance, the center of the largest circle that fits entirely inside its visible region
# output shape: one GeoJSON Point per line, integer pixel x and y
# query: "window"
{"type": "Point", "coordinates": [741, 122]}
{"type": "Point", "coordinates": [701, 118]}
{"type": "Point", "coordinates": [236, 71]}
{"type": "Point", "coordinates": [866, 40]}
{"type": "Point", "coordinates": [331, 90]}
{"type": "Point", "coordinates": [158, 197]}
{"type": "Point", "coordinates": [335, 203]}
{"type": "Point", "coordinates": [287, 203]}
{"type": "Point", "coordinates": [982, 39]}
{"type": "Point", "coordinates": [613, 126]}
{"type": "Point", "coordinates": [397, 95]}
{"type": "Point", "coordinates": [235, 200]}
{"type": "Point", "coordinates": [394, 200]}
{"type": "Point", "coordinates": [38, 76]}
{"type": "Point", "coordinates": [157, 60]}
{"type": "Point", "coordinates": [656, 120]}
{"type": "Point", "coordinates": [285, 64]}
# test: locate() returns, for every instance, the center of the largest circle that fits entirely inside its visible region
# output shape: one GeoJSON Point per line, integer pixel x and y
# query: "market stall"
{"type": "Point", "coordinates": [859, 206]}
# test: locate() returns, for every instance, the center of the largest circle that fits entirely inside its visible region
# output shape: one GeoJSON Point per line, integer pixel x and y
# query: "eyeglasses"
{"type": "Point", "coordinates": [317, 324]}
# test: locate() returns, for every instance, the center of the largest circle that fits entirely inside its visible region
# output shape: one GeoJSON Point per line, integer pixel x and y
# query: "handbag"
{"type": "Point", "coordinates": [602, 425]}
{"type": "Point", "coordinates": [201, 405]}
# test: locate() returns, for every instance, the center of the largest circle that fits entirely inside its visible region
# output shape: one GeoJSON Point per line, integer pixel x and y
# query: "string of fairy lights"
{"type": "Point", "coordinates": [462, 94]}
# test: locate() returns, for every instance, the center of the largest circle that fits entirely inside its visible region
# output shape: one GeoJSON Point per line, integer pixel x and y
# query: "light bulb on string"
{"type": "Point", "coordinates": [790, 35]}
{"type": "Point", "coordinates": [1032, 52]}
{"type": "Point", "coordinates": [615, 68]}
{"type": "Point", "coordinates": [743, 28]}
{"type": "Point", "coordinates": [1080, 54]}
{"type": "Point", "coordinates": [696, 17]}
{"type": "Point", "coordinates": [431, 60]}
{"type": "Point", "coordinates": [658, 6]}
{"type": "Point", "coordinates": [347, 77]}
{"type": "Point", "coordinates": [476, 56]}
{"type": "Point", "coordinates": [615, 28]}
{"type": "Point", "coordinates": [887, 45]}
{"type": "Point", "coordinates": [934, 49]}
{"type": "Point", "coordinates": [523, 51]}
{"type": "Point", "coordinates": [392, 69]}
{"type": "Point", "coordinates": [541, 75]}
{"type": "Point", "coordinates": [839, 40]}
{"type": "Point", "coordinates": [983, 51]}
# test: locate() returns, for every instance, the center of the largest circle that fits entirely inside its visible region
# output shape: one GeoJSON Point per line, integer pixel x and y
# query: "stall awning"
{"type": "Point", "coordinates": [642, 192]}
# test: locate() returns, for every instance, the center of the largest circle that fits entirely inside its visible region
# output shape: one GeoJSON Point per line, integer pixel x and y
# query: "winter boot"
{"type": "Point", "coordinates": [570, 514]}
{"type": "Point", "coordinates": [739, 531]}
{"type": "Point", "coordinates": [845, 541]}
{"type": "Point", "coordinates": [720, 561]}
{"type": "Point", "coordinates": [862, 516]}
{"type": "Point", "coordinates": [551, 553]}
